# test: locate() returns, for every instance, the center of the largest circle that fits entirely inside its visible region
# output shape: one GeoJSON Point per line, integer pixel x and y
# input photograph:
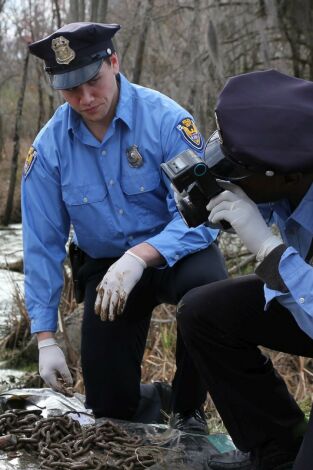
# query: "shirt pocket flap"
{"type": "Point", "coordinates": [79, 195]}
{"type": "Point", "coordinates": [140, 183]}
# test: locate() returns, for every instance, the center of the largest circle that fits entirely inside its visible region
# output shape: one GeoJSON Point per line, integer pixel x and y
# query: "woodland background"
{"type": "Point", "coordinates": [184, 48]}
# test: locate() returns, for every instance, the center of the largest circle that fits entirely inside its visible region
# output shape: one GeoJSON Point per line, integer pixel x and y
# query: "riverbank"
{"type": "Point", "coordinates": [20, 354]}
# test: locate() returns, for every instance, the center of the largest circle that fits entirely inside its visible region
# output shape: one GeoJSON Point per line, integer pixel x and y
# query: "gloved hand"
{"type": "Point", "coordinates": [52, 365]}
{"type": "Point", "coordinates": [177, 196]}
{"type": "Point", "coordinates": [234, 206]}
{"type": "Point", "coordinates": [117, 284]}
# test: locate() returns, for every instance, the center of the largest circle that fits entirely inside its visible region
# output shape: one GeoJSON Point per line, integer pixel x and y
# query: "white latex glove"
{"type": "Point", "coordinates": [177, 196]}
{"type": "Point", "coordinates": [117, 284]}
{"type": "Point", "coordinates": [52, 365]}
{"type": "Point", "coordinates": [234, 206]}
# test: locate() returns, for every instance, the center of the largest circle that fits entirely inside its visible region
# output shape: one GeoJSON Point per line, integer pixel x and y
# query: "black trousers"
{"type": "Point", "coordinates": [304, 459]}
{"type": "Point", "coordinates": [112, 352]}
{"type": "Point", "coordinates": [222, 325]}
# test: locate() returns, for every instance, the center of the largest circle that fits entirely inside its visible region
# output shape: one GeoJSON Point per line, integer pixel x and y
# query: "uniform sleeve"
{"type": "Point", "coordinates": [45, 232]}
{"type": "Point", "coordinates": [177, 240]}
{"type": "Point", "coordinates": [268, 269]}
{"type": "Point", "coordinates": [297, 276]}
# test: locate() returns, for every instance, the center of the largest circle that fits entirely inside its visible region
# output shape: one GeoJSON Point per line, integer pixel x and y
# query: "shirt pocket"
{"type": "Point", "coordinates": [82, 195]}
{"type": "Point", "coordinates": [85, 203]}
{"type": "Point", "coordinates": [140, 183]}
{"type": "Point", "coordinates": [145, 196]}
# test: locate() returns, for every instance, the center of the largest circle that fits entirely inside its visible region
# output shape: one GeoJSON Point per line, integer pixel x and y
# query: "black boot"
{"type": "Point", "coordinates": [193, 422]}
{"type": "Point", "coordinates": [232, 460]}
{"type": "Point", "coordinates": [268, 457]}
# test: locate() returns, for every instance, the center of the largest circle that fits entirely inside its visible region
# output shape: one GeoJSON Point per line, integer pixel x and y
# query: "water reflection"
{"type": "Point", "coordinates": [11, 254]}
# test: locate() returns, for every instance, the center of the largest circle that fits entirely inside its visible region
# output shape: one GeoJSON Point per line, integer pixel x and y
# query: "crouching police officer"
{"type": "Point", "coordinates": [263, 152]}
{"type": "Point", "coordinates": [96, 165]}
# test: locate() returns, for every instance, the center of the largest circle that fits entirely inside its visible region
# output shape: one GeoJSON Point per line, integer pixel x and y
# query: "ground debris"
{"type": "Point", "coordinates": [59, 442]}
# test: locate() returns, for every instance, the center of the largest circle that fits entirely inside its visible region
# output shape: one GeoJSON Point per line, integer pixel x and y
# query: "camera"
{"type": "Point", "coordinates": [195, 185]}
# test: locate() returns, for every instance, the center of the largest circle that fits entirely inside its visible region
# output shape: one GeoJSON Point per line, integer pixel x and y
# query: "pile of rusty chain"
{"type": "Point", "coordinates": [61, 443]}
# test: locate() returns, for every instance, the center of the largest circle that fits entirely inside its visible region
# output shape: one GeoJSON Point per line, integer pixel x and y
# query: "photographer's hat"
{"type": "Point", "coordinates": [75, 52]}
{"type": "Point", "coordinates": [264, 122]}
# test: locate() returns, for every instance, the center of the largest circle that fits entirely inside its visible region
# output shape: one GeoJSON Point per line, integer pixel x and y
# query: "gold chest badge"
{"type": "Point", "coordinates": [134, 157]}
{"type": "Point", "coordinates": [63, 53]}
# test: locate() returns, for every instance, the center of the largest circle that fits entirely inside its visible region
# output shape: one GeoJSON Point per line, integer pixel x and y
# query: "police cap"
{"type": "Point", "coordinates": [75, 52]}
{"type": "Point", "coordinates": [264, 122]}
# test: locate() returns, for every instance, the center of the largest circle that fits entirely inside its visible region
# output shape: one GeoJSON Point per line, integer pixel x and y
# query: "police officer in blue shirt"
{"type": "Point", "coordinates": [263, 152]}
{"type": "Point", "coordinates": [96, 166]}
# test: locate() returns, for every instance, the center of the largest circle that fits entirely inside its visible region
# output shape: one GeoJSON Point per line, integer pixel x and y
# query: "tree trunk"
{"type": "Point", "coordinates": [16, 146]}
{"type": "Point", "coordinates": [41, 112]}
{"type": "Point", "coordinates": [56, 12]}
{"type": "Point", "coordinates": [102, 11]}
{"type": "Point", "coordinates": [77, 10]}
{"type": "Point", "coordinates": [94, 10]}
{"type": "Point", "coordinates": [195, 97]}
{"type": "Point", "coordinates": [142, 41]}
{"type": "Point", "coordinates": [1, 138]}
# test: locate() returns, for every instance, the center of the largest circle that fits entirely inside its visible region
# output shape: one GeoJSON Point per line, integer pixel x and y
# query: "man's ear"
{"type": "Point", "coordinates": [115, 63]}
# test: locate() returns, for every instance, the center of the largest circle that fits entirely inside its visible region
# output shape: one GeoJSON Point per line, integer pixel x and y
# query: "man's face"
{"type": "Point", "coordinates": [261, 188]}
{"type": "Point", "coordinates": [96, 99]}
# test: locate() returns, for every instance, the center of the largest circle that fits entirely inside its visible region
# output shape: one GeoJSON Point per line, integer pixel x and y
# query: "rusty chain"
{"type": "Point", "coordinates": [61, 443]}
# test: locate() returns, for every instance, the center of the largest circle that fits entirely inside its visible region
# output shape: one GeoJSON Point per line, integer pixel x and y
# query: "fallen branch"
{"type": "Point", "coordinates": [242, 264]}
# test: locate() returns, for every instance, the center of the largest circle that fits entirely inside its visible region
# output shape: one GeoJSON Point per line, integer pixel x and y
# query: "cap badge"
{"type": "Point", "coordinates": [133, 156]}
{"type": "Point", "coordinates": [63, 53]}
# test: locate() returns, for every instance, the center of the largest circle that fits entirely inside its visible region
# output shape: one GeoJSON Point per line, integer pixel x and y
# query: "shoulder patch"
{"type": "Point", "coordinates": [29, 162]}
{"type": "Point", "coordinates": [190, 132]}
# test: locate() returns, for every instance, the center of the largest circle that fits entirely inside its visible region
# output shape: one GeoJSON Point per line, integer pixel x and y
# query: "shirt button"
{"type": "Point", "coordinates": [176, 257]}
{"type": "Point", "coordinates": [301, 300]}
{"type": "Point", "coordinates": [104, 152]}
{"type": "Point", "coordinates": [85, 199]}
{"type": "Point", "coordinates": [142, 188]}
{"type": "Point", "coordinates": [111, 182]}
{"type": "Point", "coordinates": [121, 211]}
{"type": "Point", "coordinates": [130, 238]}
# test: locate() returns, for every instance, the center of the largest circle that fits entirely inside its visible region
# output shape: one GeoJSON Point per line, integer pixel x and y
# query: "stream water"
{"type": "Point", "coordinates": [11, 283]}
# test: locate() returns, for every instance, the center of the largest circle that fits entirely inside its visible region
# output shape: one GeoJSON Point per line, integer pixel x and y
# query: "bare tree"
{"type": "Point", "coordinates": [56, 12]}
{"type": "Point", "coordinates": [102, 11]}
{"type": "Point", "coordinates": [295, 22]}
{"type": "Point", "coordinates": [142, 39]}
{"type": "Point", "coordinates": [2, 3]}
{"type": "Point", "coordinates": [41, 107]}
{"type": "Point", "coordinates": [16, 146]}
{"type": "Point", "coordinates": [184, 49]}
{"type": "Point", "coordinates": [1, 138]}
{"type": "Point", "coordinates": [77, 11]}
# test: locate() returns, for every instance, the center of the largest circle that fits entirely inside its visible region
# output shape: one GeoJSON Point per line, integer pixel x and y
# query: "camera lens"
{"type": "Point", "coordinates": [200, 169]}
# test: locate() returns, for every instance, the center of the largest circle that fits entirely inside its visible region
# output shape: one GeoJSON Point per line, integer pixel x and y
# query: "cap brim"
{"type": "Point", "coordinates": [220, 165]}
{"type": "Point", "coordinates": [63, 81]}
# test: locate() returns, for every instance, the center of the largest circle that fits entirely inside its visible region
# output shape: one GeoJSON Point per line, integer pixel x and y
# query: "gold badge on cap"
{"type": "Point", "coordinates": [63, 53]}
{"type": "Point", "coordinates": [133, 156]}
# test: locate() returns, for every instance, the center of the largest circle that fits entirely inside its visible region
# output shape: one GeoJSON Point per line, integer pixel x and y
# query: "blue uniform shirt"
{"type": "Point", "coordinates": [72, 178]}
{"type": "Point", "coordinates": [296, 229]}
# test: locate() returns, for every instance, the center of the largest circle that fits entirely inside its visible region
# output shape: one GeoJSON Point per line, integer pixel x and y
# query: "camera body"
{"type": "Point", "coordinates": [194, 184]}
